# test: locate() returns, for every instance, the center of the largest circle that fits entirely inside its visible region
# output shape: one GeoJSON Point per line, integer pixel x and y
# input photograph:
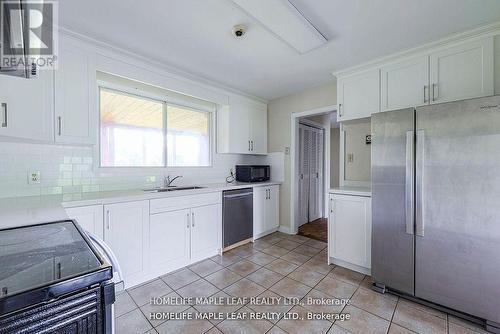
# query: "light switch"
{"type": "Point", "coordinates": [34, 177]}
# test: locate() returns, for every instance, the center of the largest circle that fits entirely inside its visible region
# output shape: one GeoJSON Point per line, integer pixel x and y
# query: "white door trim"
{"type": "Point", "coordinates": [295, 161]}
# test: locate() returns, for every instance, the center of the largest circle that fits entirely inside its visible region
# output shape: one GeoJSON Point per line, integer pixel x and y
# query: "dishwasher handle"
{"type": "Point", "coordinates": [238, 195]}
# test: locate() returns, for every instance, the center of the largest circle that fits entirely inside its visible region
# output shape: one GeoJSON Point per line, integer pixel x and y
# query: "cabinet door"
{"type": "Point", "coordinates": [358, 95]}
{"type": "Point", "coordinates": [259, 211]}
{"type": "Point", "coordinates": [206, 228]}
{"type": "Point", "coordinates": [462, 72]}
{"type": "Point", "coordinates": [75, 83]}
{"type": "Point", "coordinates": [27, 106]}
{"type": "Point", "coordinates": [126, 233]}
{"type": "Point", "coordinates": [273, 208]}
{"type": "Point", "coordinates": [405, 84]}
{"type": "Point", "coordinates": [169, 240]}
{"type": "Point", "coordinates": [258, 131]}
{"type": "Point", "coordinates": [351, 230]}
{"type": "Point", "coordinates": [239, 128]}
{"type": "Point", "coordinates": [89, 217]}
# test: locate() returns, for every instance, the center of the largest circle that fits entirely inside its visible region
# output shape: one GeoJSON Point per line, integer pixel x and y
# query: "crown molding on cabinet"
{"type": "Point", "coordinates": [449, 41]}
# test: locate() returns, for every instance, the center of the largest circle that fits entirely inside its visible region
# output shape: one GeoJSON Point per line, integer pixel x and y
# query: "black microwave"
{"type": "Point", "coordinates": [253, 173]}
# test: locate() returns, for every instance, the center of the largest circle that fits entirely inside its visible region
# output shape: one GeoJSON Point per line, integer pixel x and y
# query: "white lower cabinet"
{"type": "Point", "coordinates": [206, 227]}
{"type": "Point", "coordinates": [90, 218]}
{"type": "Point", "coordinates": [126, 232]}
{"type": "Point", "coordinates": [265, 210]}
{"type": "Point", "coordinates": [350, 230]}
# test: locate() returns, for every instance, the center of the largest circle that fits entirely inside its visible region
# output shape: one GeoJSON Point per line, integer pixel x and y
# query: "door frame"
{"type": "Point", "coordinates": [294, 158]}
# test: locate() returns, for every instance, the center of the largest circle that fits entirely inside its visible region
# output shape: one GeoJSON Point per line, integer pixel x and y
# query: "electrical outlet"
{"type": "Point", "coordinates": [350, 157]}
{"type": "Point", "coordinates": [34, 177]}
{"type": "Point", "coordinates": [287, 150]}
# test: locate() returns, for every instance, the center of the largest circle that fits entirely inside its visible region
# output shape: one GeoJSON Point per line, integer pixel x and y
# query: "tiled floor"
{"type": "Point", "coordinates": [277, 265]}
{"type": "Point", "coordinates": [317, 229]}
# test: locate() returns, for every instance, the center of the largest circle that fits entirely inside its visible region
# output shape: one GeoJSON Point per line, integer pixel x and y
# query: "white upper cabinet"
{"type": "Point", "coordinates": [75, 97]}
{"type": "Point", "coordinates": [27, 106]}
{"type": "Point", "coordinates": [242, 127]}
{"type": "Point", "coordinates": [462, 72]}
{"type": "Point", "coordinates": [358, 95]}
{"type": "Point", "coordinates": [405, 84]}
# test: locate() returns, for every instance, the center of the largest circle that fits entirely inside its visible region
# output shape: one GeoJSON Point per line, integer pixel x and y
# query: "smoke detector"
{"type": "Point", "coordinates": [239, 30]}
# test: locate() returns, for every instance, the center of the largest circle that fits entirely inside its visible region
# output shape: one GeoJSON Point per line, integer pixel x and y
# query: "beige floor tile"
{"type": "Point", "coordinates": [244, 326]}
{"type": "Point", "coordinates": [150, 309]}
{"type": "Point", "coordinates": [396, 329]}
{"type": "Point", "coordinates": [319, 302]}
{"type": "Point", "coordinates": [265, 277]}
{"type": "Point", "coordinates": [188, 326]}
{"type": "Point", "coordinates": [244, 267]}
{"type": "Point", "coordinates": [142, 294]}
{"type": "Point", "coordinates": [288, 244]}
{"type": "Point", "coordinates": [296, 258]}
{"type": "Point", "coordinates": [452, 320]}
{"type": "Point", "coordinates": [278, 305]}
{"type": "Point", "coordinates": [306, 276]}
{"type": "Point", "coordinates": [298, 238]}
{"type": "Point", "coordinates": [261, 258]}
{"type": "Point", "coordinates": [180, 278]}
{"type": "Point", "coordinates": [307, 250]}
{"type": "Point", "coordinates": [261, 244]}
{"type": "Point", "coordinates": [276, 330]}
{"type": "Point", "coordinates": [275, 251]}
{"type": "Point", "coordinates": [347, 275]}
{"type": "Point", "coordinates": [424, 308]}
{"type": "Point", "coordinates": [363, 322]}
{"type": "Point", "coordinates": [225, 308]}
{"type": "Point", "coordinates": [281, 266]}
{"type": "Point", "coordinates": [303, 325]}
{"type": "Point", "coordinates": [315, 243]}
{"type": "Point", "coordinates": [245, 250]}
{"type": "Point", "coordinates": [205, 268]}
{"type": "Point", "coordinates": [336, 288]}
{"type": "Point", "coordinates": [417, 320]}
{"type": "Point", "coordinates": [132, 323]}
{"type": "Point", "coordinates": [244, 288]}
{"type": "Point", "coordinates": [198, 289]}
{"type": "Point", "coordinates": [223, 278]}
{"type": "Point", "coordinates": [367, 283]}
{"type": "Point", "coordinates": [375, 303]}
{"type": "Point", "coordinates": [214, 330]}
{"type": "Point", "coordinates": [288, 287]}
{"type": "Point", "coordinates": [320, 266]}
{"type": "Point", "coordinates": [124, 304]}
{"type": "Point", "coordinates": [226, 259]}
{"type": "Point", "coordinates": [271, 238]}
{"type": "Point", "coordinates": [336, 329]}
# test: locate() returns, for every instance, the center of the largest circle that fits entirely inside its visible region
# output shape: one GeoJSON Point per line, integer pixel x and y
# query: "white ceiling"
{"type": "Point", "coordinates": [195, 35]}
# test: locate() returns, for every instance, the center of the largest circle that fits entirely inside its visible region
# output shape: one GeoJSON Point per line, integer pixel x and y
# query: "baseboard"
{"type": "Point", "coordinates": [285, 229]}
{"type": "Point", "coordinates": [263, 234]}
{"type": "Point", "coordinates": [359, 269]}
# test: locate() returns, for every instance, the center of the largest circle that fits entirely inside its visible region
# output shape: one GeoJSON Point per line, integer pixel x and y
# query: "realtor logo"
{"type": "Point", "coordinates": [28, 32]}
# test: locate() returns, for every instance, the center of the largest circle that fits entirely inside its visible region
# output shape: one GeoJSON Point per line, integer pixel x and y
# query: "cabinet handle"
{"type": "Point", "coordinates": [108, 220]}
{"type": "Point", "coordinates": [59, 125]}
{"type": "Point", "coordinates": [252, 144]}
{"type": "Point", "coordinates": [187, 219]}
{"type": "Point", "coordinates": [4, 110]}
{"type": "Point", "coordinates": [340, 110]}
{"type": "Point", "coordinates": [434, 95]}
{"type": "Point", "coordinates": [192, 219]}
{"type": "Point", "coordinates": [249, 145]}
{"type": "Point", "coordinates": [425, 93]}
{"type": "Point", "coordinates": [269, 190]}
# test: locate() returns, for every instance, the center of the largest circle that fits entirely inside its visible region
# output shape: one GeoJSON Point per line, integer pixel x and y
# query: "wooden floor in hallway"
{"type": "Point", "coordinates": [317, 229]}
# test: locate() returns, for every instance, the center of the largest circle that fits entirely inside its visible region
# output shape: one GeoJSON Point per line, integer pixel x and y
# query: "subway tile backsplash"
{"type": "Point", "coordinates": [71, 170]}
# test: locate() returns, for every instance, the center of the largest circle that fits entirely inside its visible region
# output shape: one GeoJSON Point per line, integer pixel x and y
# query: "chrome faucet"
{"type": "Point", "coordinates": [168, 181]}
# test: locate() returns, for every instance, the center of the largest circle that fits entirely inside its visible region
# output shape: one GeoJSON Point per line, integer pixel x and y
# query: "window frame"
{"type": "Point", "coordinates": [165, 101]}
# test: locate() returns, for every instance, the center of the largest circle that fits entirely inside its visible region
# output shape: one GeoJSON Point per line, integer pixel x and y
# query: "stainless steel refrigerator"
{"type": "Point", "coordinates": [436, 205]}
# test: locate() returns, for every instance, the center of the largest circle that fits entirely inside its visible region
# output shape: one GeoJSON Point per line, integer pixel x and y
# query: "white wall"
{"type": "Point", "coordinates": [497, 65]}
{"type": "Point", "coordinates": [355, 143]}
{"type": "Point", "coordinates": [279, 135]}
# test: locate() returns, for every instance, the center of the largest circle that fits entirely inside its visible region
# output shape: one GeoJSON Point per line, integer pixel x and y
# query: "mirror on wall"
{"type": "Point", "coordinates": [357, 151]}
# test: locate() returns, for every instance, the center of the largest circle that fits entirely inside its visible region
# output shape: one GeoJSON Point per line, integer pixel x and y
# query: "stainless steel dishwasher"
{"type": "Point", "coordinates": [237, 216]}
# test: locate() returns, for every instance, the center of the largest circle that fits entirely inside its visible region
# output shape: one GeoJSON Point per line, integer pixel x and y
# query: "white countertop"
{"type": "Point", "coordinates": [19, 211]}
{"type": "Point", "coordinates": [353, 191]}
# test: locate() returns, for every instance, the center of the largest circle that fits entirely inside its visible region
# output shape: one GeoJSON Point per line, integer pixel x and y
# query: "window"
{"type": "Point", "coordinates": [140, 132]}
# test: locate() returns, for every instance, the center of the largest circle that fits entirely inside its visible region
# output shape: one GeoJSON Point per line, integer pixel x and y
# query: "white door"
{"type": "Point", "coordinates": [127, 234]}
{"type": "Point", "coordinates": [75, 99]}
{"type": "Point", "coordinates": [304, 174]}
{"type": "Point", "coordinates": [462, 72]}
{"type": "Point", "coordinates": [358, 95]}
{"type": "Point", "coordinates": [239, 128]}
{"type": "Point", "coordinates": [259, 211]}
{"type": "Point", "coordinates": [258, 132]}
{"type": "Point", "coordinates": [350, 237]}
{"type": "Point", "coordinates": [90, 218]}
{"type": "Point", "coordinates": [27, 106]}
{"type": "Point", "coordinates": [316, 175]}
{"type": "Point", "coordinates": [169, 235]}
{"type": "Point", "coordinates": [272, 208]}
{"type": "Point", "coordinates": [405, 84]}
{"type": "Point", "coordinates": [206, 230]}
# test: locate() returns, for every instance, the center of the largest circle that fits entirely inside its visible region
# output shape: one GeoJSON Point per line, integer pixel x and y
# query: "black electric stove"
{"type": "Point", "coordinates": [53, 280]}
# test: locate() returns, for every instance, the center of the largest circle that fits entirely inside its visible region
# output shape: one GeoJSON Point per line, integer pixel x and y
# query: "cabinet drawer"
{"type": "Point", "coordinates": [184, 202]}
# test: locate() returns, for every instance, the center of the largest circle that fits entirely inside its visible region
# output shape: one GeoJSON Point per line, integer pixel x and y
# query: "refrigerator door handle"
{"type": "Point", "coordinates": [409, 209]}
{"type": "Point", "coordinates": [420, 221]}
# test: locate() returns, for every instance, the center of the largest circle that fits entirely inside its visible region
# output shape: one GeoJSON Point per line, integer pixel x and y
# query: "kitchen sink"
{"type": "Point", "coordinates": [173, 188]}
